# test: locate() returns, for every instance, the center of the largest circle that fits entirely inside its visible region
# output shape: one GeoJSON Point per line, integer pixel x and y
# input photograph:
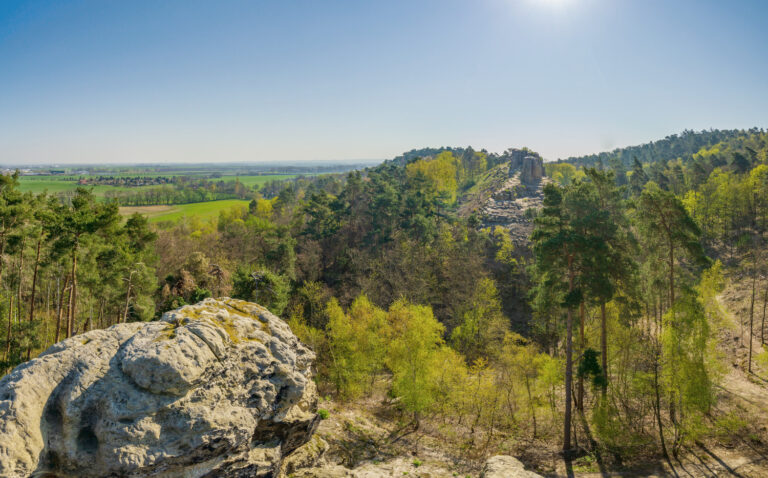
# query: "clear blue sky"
{"type": "Point", "coordinates": [146, 81]}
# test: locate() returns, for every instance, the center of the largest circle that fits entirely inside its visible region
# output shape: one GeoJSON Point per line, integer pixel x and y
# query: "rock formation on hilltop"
{"type": "Point", "coordinates": [530, 164]}
{"type": "Point", "coordinates": [217, 389]}
{"type": "Point", "coordinates": [522, 191]}
{"type": "Point", "coordinates": [532, 170]}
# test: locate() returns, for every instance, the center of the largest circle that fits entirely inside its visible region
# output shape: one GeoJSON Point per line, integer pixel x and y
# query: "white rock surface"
{"type": "Point", "coordinates": [503, 466]}
{"type": "Point", "coordinates": [217, 389]}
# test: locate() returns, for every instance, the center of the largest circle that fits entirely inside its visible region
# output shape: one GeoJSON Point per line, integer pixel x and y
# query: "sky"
{"type": "Point", "coordinates": [291, 80]}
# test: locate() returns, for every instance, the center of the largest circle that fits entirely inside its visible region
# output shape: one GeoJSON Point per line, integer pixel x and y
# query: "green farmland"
{"type": "Point", "coordinates": [201, 210]}
{"type": "Point", "coordinates": [60, 184]}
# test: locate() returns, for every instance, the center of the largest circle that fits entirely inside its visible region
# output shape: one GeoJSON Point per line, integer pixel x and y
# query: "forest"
{"type": "Point", "coordinates": [599, 335]}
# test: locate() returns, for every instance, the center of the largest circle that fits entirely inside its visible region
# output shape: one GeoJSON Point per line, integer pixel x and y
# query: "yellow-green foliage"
{"type": "Point", "coordinates": [416, 355]}
{"type": "Point", "coordinates": [311, 336]}
{"type": "Point", "coordinates": [515, 392]}
{"type": "Point", "coordinates": [483, 323]}
{"type": "Point", "coordinates": [563, 173]}
{"type": "Point", "coordinates": [620, 421]}
{"type": "Point", "coordinates": [730, 426]}
{"type": "Point", "coordinates": [263, 208]}
{"type": "Point", "coordinates": [515, 385]}
{"type": "Point", "coordinates": [762, 358]}
{"type": "Point", "coordinates": [441, 171]}
{"type": "Point", "coordinates": [530, 376]}
{"type": "Point", "coordinates": [356, 344]}
{"type": "Point", "coordinates": [711, 284]}
{"type": "Point", "coordinates": [706, 153]}
{"type": "Point", "coordinates": [691, 364]}
{"type": "Point", "coordinates": [506, 253]}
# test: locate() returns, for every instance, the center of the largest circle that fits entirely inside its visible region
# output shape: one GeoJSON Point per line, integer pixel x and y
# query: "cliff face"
{"type": "Point", "coordinates": [220, 388]}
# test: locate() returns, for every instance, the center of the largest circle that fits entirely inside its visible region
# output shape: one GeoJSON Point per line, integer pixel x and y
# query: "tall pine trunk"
{"type": "Point", "coordinates": [34, 288]}
{"type": "Point", "coordinates": [2, 253]}
{"type": "Point", "coordinates": [751, 318]}
{"type": "Point", "coordinates": [568, 364]}
{"type": "Point", "coordinates": [21, 280]}
{"type": "Point", "coordinates": [671, 273]}
{"type": "Point", "coordinates": [604, 346]}
{"type": "Point", "coordinates": [127, 298]}
{"type": "Point", "coordinates": [61, 292]}
{"type": "Point", "coordinates": [657, 402]}
{"type": "Point", "coordinates": [582, 347]}
{"type": "Point", "coordinates": [9, 335]}
{"type": "Point", "coordinates": [72, 312]}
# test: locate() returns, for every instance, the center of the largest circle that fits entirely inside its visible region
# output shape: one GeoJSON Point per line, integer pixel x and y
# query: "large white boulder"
{"type": "Point", "coordinates": [504, 466]}
{"type": "Point", "coordinates": [220, 388]}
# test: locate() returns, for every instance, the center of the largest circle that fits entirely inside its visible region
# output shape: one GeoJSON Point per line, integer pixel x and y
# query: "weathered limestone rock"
{"type": "Point", "coordinates": [217, 389]}
{"type": "Point", "coordinates": [532, 170]}
{"type": "Point", "coordinates": [503, 466]}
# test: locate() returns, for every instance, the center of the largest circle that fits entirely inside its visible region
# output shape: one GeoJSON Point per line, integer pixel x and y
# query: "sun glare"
{"type": "Point", "coordinates": [552, 3]}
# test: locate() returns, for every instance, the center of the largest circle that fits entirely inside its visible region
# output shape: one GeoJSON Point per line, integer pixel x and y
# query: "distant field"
{"type": "Point", "coordinates": [40, 184]}
{"type": "Point", "coordinates": [58, 184]}
{"type": "Point", "coordinates": [201, 210]}
{"type": "Point", "coordinates": [257, 180]}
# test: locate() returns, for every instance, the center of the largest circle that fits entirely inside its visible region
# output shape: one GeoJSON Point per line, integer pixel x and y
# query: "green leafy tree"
{"type": "Point", "coordinates": [556, 245]}
{"type": "Point", "coordinates": [357, 345]}
{"type": "Point", "coordinates": [667, 227]}
{"type": "Point", "coordinates": [416, 356]}
{"type": "Point", "coordinates": [84, 217]}
{"type": "Point", "coordinates": [484, 325]}
{"type": "Point", "coordinates": [263, 286]}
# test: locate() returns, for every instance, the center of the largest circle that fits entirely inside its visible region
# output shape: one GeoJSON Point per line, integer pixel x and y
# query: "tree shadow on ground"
{"type": "Point", "coordinates": [722, 463]}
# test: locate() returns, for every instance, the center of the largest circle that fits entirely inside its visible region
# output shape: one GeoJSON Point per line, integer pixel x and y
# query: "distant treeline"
{"type": "Point", "coordinates": [683, 146]}
{"type": "Point", "coordinates": [127, 181]}
{"type": "Point", "coordinates": [186, 190]}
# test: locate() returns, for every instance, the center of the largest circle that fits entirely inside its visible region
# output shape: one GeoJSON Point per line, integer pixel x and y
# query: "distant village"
{"type": "Point", "coordinates": [44, 172]}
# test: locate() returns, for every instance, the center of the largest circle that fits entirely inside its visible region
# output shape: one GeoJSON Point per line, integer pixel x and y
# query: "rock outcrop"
{"type": "Point", "coordinates": [217, 389]}
{"type": "Point", "coordinates": [532, 170]}
{"type": "Point", "coordinates": [503, 466]}
{"type": "Point", "coordinates": [510, 202]}
{"type": "Point", "coordinates": [508, 207]}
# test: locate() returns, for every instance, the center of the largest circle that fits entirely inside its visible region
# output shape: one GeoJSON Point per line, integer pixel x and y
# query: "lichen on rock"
{"type": "Point", "coordinates": [219, 388]}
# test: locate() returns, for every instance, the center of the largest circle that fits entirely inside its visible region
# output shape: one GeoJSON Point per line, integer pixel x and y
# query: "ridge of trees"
{"type": "Point", "coordinates": [683, 145]}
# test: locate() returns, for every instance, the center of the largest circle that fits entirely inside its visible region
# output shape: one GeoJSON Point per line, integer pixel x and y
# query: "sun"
{"type": "Point", "coordinates": [553, 3]}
